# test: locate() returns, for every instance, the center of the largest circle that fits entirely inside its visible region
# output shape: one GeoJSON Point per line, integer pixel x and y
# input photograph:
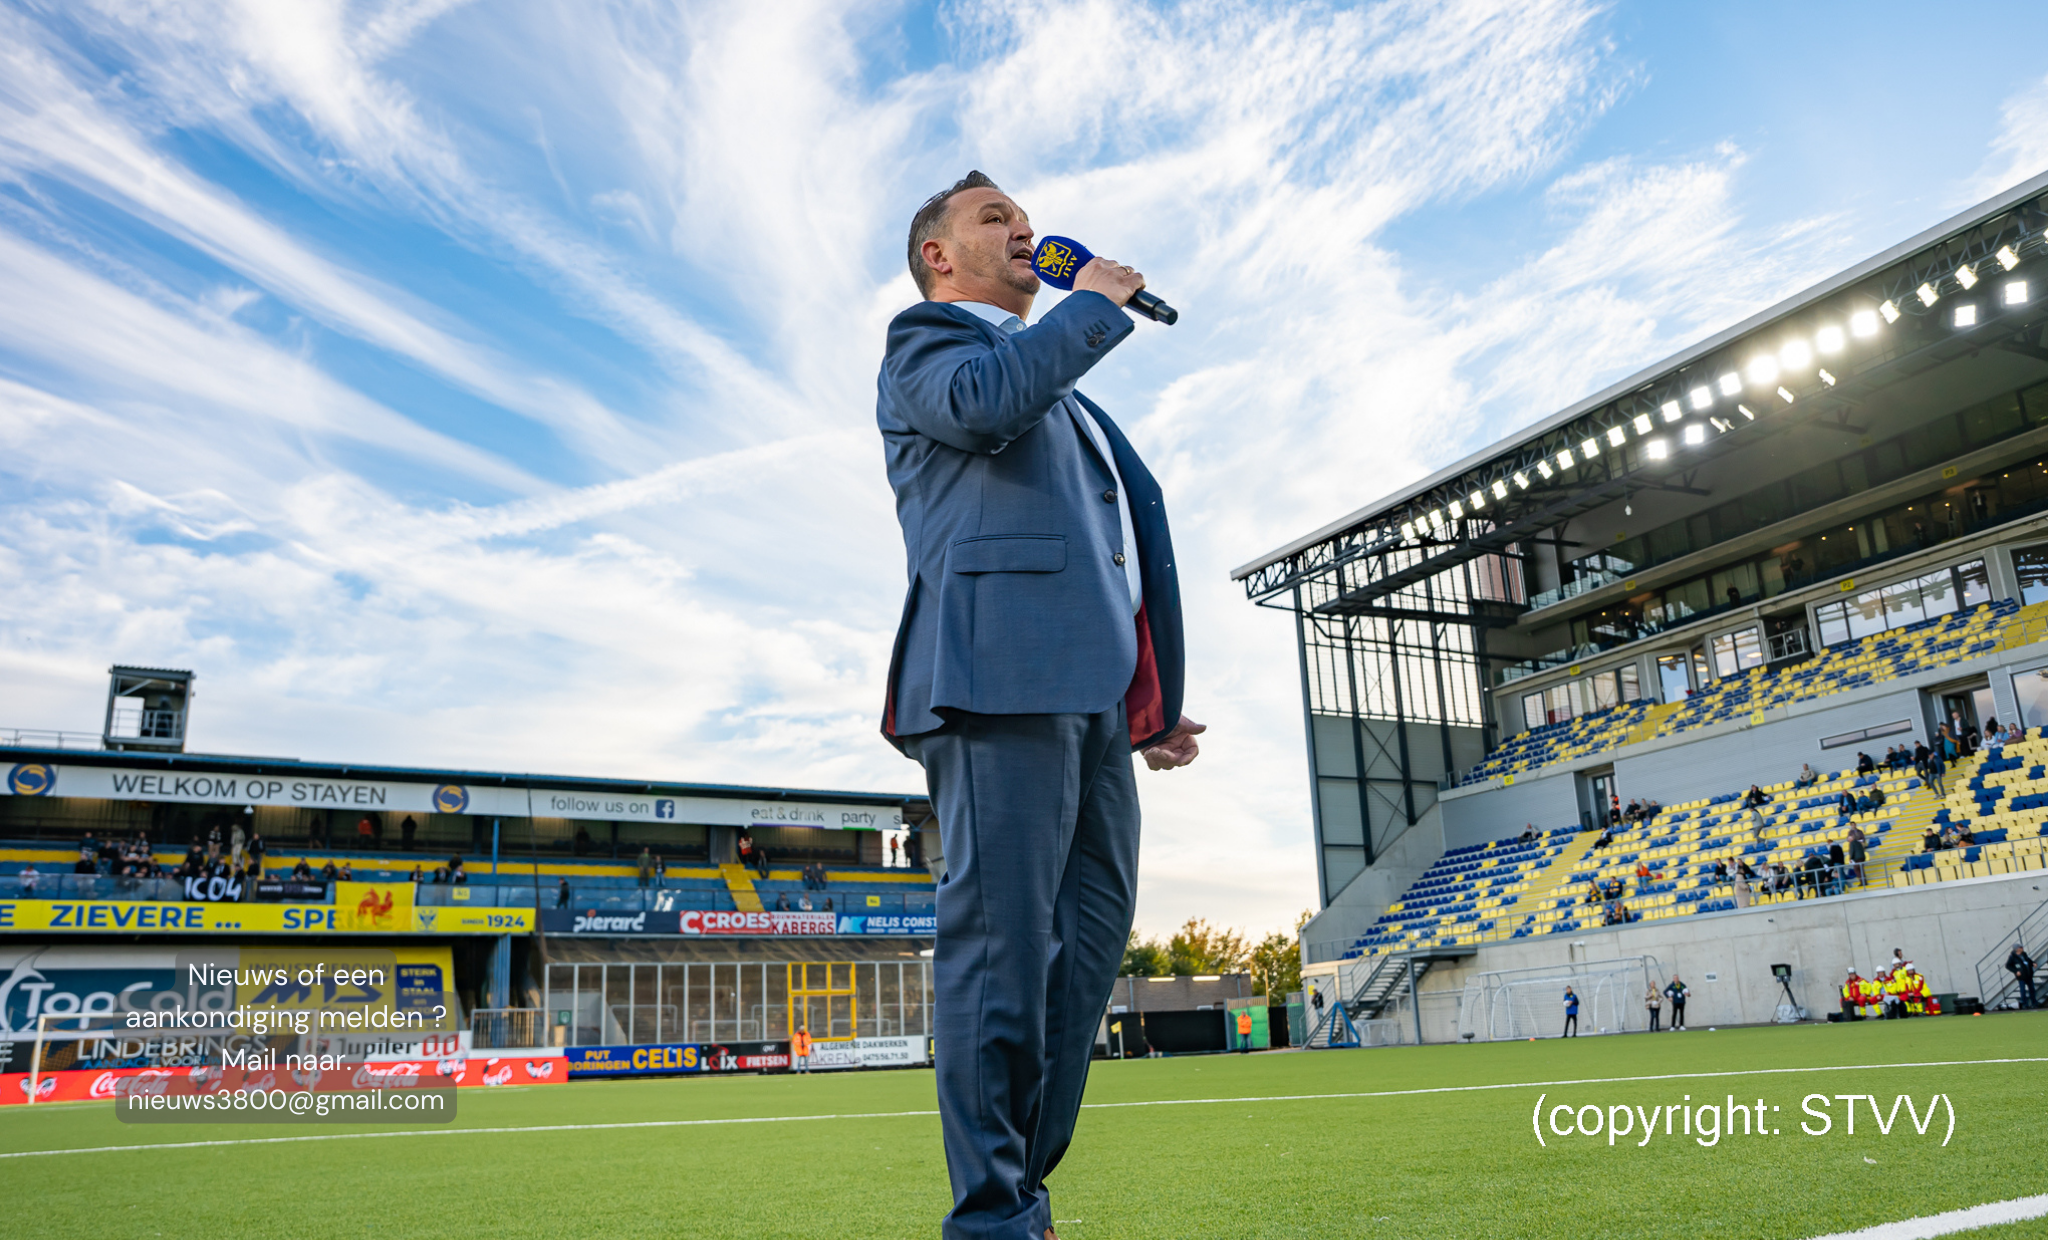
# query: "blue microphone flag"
{"type": "Point", "coordinates": [1059, 259]}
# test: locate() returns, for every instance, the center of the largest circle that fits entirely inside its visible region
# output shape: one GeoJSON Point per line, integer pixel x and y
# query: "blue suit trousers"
{"type": "Point", "coordinates": [1038, 816]}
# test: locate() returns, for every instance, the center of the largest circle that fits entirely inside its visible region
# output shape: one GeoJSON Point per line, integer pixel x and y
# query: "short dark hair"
{"type": "Point", "coordinates": [931, 219]}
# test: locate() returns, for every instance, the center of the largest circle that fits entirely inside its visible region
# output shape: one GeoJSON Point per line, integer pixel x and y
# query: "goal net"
{"type": "Point", "coordinates": [1513, 1004]}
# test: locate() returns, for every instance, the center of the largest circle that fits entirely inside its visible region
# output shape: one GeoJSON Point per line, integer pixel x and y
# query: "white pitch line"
{"type": "Point", "coordinates": [1089, 1106]}
{"type": "Point", "coordinates": [1991, 1215]}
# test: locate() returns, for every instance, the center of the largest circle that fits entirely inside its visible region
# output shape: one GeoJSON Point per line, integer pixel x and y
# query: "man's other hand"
{"type": "Point", "coordinates": [1179, 747]}
{"type": "Point", "coordinates": [1114, 281]}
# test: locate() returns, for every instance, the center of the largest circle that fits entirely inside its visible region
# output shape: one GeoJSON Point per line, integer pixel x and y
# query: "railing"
{"type": "Point", "coordinates": [1994, 984]}
{"type": "Point", "coordinates": [495, 1029]}
{"type": "Point", "coordinates": [89, 887]}
{"type": "Point", "coordinates": [1572, 589]}
{"type": "Point", "coordinates": [1790, 644]}
{"type": "Point", "coordinates": [154, 725]}
{"type": "Point", "coordinates": [45, 738]}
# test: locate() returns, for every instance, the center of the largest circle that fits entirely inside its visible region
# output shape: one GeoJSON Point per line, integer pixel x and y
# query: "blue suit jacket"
{"type": "Point", "coordinates": [1017, 602]}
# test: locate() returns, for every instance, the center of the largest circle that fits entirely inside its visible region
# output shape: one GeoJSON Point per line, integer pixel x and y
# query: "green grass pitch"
{"type": "Point", "coordinates": [1461, 1162]}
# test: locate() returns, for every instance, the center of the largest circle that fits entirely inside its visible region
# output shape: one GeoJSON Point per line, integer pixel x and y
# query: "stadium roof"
{"type": "Point", "coordinates": [288, 767]}
{"type": "Point", "coordinates": [1888, 278]}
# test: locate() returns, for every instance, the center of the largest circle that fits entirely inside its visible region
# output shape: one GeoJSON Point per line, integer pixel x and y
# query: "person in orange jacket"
{"type": "Point", "coordinates": [1244, 1029]}
{"type": "Point", "coordinates": [1852, 995]}
{"type": "Point", "coordinates": [800, 1049]}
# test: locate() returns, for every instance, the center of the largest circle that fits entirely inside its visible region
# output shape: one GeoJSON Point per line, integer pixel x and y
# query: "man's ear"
{"type": "Point", "coordinates": [934, 253]}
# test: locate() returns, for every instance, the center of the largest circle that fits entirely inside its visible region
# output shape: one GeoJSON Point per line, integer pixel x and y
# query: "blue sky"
{"type": "Point", "coordinates": [493, 384]}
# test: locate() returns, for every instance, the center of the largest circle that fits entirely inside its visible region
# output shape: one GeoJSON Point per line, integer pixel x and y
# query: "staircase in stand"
{"type": "Point", "coordinates": [737, 881]}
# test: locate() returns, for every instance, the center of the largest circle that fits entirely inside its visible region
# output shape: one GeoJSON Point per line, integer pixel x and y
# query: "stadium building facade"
{"type": "Point", "coordinates": [755, 909]}
{"type": "Point", "coordinates": [1819, 533]}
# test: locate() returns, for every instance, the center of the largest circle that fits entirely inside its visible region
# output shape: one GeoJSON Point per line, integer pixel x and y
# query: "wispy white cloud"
{"type": "Point", "coordinates": [669, 237]}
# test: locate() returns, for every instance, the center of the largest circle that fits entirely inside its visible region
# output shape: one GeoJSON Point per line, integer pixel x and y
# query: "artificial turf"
{"type": "Point", "coordinates": [1455, 1163]}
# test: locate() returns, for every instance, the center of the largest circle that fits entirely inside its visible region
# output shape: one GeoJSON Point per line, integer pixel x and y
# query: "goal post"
{"type": "Point", "coordinates": [1516, 1004]}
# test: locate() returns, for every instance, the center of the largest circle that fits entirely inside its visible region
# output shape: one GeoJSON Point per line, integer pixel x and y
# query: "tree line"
{"type": "Point", "coordinates": [1199, 949]}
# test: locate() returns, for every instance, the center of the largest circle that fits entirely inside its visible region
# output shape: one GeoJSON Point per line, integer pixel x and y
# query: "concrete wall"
{"type": "Point", "coordinates": [1481, 813]}
{"type": "Point", "coordinates": [1356, 907]}
{"type": "Point", "coordinates": [1945, 928]}
{"type": "Point", "coordinates": [1731, 756]}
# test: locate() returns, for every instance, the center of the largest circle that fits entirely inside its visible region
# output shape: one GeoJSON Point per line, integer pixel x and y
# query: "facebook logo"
{"type": "Point", "coordinates": [664, 809]}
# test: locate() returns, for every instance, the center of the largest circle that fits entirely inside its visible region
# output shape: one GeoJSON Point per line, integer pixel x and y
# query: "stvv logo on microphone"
{"type": "Point", "coordinates": [1058, 259]}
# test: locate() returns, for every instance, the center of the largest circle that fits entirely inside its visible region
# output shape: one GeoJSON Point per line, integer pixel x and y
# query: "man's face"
{"type": "Point", "coordinates": [988, 237]}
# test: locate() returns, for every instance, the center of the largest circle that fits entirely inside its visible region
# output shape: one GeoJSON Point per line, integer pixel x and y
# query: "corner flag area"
{"type": "Point", "coordinates": [1749, 1128]}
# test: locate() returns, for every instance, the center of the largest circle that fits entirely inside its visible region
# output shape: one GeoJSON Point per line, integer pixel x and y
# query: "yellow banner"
{"type": "Point", "coordinates": [376, 908]}
{"type": "Point", "coordinates": [130, 917]}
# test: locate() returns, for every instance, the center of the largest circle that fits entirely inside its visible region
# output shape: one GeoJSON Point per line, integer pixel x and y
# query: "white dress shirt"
{"type": "Point", "coordinates": [1010, 323]}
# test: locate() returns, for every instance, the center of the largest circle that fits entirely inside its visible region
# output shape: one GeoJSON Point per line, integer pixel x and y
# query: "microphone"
{"type": "Point", "coordinates": [1058, 259]}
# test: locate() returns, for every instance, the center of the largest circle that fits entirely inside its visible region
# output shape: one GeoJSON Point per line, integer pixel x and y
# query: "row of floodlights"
{"type": "Point", "coordinates": [1796, 357]}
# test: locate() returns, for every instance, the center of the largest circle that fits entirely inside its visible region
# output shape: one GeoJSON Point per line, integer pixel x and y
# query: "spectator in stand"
{"type": "Point", "coordinates": [419, 874]}
{"type": "Point", "coordinates": [256, 849]}
{"type": "Point", "coordinates": [456, 874]}
{"type": "Point", "coordinates": [1864, 765]}
{"type": "Point", "coordinates": [562, 893]}
{"type": "Point", "coordinates": [440, 878]}
{"type": "Point", "coordinates": [213, 842]}
{"type": "Point", "coordinates": [1571, 1014]}
{"type": "Point", "coordinates": [1653, 999]}
{"type": "Point", "coordinates": [29, 878]}
{"type": "Point", "coordinates": [893, 850]}
{"type": "Point", "coordinates": [366, 833]}
{"type": "Point", "coordinates": [661, 872]}
{"type": "Point", "coordinates": [1931, 842]}
{"type": "Point", "coordinates": [644, 868]}
{"type": "Point", "coordinates": [782, 901]}
{"type": "Point", "coordinates": [1838, 863]}
{"type": "Point", "coordinates": [302, 872]}
{"type": "Point", "coordinates": [406, 830]}
{"type": "Point", "coordinates": [828, 904]}
{"type": "Point", "coordinates": [237, 842]}
{"type": "Point", "coordinates": [1846, 803]}
{"type": "Point", "coordinates": [1754, 797]}
{"type": "Point", "coordinates": [1678, 993]}
{"type": "Point", "coordinates": [803, 902]}
{"type": "Point", "coordinates": [2021, 966]}
{"type": "Point", "coordinates": [328, 873]}
{"type": "Point", "coordinates": [348, 872]}
{"type": "Point", "coordinates": [1857, 855]}
{"type": "Point", "coordinates": [1807, 776]}
{"type": "Point", "coordinates": [1528, 833]}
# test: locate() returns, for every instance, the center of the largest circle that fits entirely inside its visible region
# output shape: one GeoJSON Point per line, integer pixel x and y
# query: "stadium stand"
{"type": "Point", "coordinates": [1837, 669]}
{"type": "Point", "coordinates": [1995, 817]}
{"type": "Point", "coordinates": [1515, 889]}
{"type": "Point", "coordinates": [594, 883]}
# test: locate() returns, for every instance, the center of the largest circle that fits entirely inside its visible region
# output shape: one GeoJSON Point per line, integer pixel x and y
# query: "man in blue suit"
{"type": "Point", "coordinates": [1040, 646]}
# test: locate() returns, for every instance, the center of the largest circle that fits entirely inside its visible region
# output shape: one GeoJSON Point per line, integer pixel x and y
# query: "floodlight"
{"type": "Point", "coordinates": [1500, 488]}
{"type": "Point", "coordinates": [1926, 294]}
{"type": "Point", "coordinates": [1763, 371]}
{"type": "Point", "coordinates": [1564, 459]}
{"type": "Point", "coordinates": [1407, 531]}
{"type": "Point", "coordinates": [1731, 383]}
{"type": "Point", "coordinates": [1616, 436]}
{"type": "Point", "coordinates": [1796, 355]}
{"type": "Point", "coordinates": [1543, 468]}
{"type": "Point", "coordinates": [1966, 276]}
{"type": "Point", "coordinates": [1436, 519]}
{"type": "Point", "coordinates": [1476, 500]}
{"type": "Point", "coordinates": [2006, 258]}
{"type": "Point", "coordinates": [1695, 433]}
{"type": "Point", "coordinates": [1522, 480]}
{"type": "Point", "coordinates": [1657, 449]}
{"type": "Point", "coordinates": [1457, 511]}
{"type": "Point", "coordinates": [1890, 310]}
{"type": "Point", "coordinates": [1702, 397]}
{"type": "Point", "coordinates": [1671, 410]}
{"type": "Point", "coordinates": [1826, 378]}
{"type": "Point", "coordinates": [1966, 315]}
{"type": "Point", "coordinates": [1642, 421]}
{"type": "Point", "coordinates": [2015, 292]}
{"type": "Point", "coordinates": [1722, 425]}
{"type": "Point", "coordinates": [1829, 339]}
{"type": "Point", "coordinates": [1747, 412]}
{"type": "Point", "coordinates": [1784, 396]}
